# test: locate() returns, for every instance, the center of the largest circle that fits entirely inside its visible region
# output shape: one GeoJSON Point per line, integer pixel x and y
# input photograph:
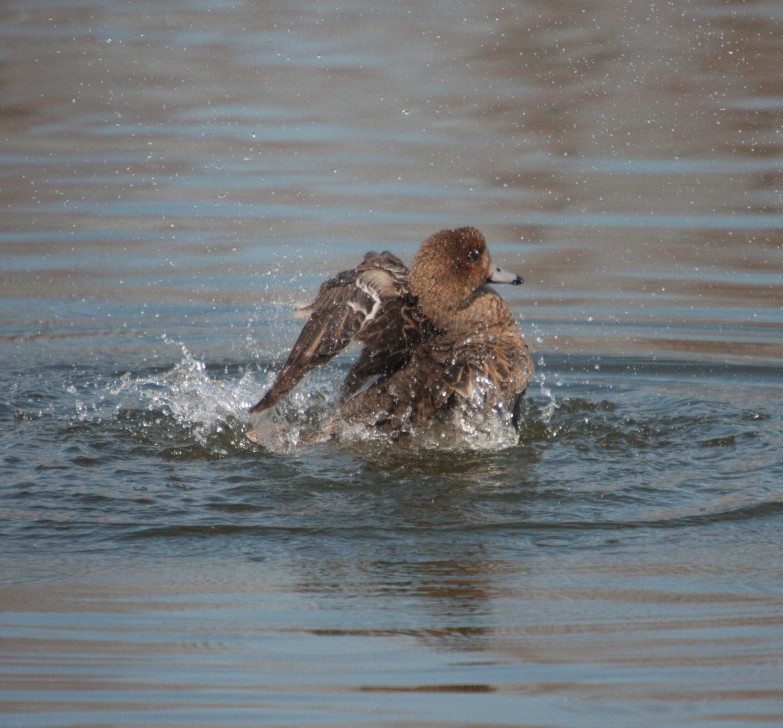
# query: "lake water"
{"type": "Point", "coordinates": [176, 176]}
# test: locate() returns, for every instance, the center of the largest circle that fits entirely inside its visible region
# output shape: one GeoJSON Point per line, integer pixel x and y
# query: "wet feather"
{"type": "Point", "coordinates": [434, 338]}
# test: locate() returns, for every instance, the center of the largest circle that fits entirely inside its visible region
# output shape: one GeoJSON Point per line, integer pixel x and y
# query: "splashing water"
{"type": "Point", "coordinates": [191, 406]}
{"type": "Point", "coordinates": [211, 407]}
{"type": "Point", "coordinates": [187, 393]}
{"type": "Point", "coordinates": [550, 401]}
{"type": "Point", "coordinates": [298, 419]}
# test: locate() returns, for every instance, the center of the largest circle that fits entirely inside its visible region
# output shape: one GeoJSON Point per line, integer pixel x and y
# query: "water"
{"type": "Point", "coordinates": [175, 177]}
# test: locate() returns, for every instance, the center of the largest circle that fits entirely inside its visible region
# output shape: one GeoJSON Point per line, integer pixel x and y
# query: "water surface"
{"type": "Point", "coordinates": [175, 177]}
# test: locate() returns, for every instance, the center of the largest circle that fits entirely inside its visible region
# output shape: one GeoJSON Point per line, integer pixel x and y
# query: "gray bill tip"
{"type": "Point", "coordinates": [503, 276]}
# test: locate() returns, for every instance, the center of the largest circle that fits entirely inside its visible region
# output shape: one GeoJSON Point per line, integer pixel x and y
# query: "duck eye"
{"type": "Point", "coordinates": [474, 254]}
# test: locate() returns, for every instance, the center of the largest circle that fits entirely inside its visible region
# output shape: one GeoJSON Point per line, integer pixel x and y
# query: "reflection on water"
{"type": "Point", "coordinates": [630, 162]}
{"type": "Point", "coordinates": [175, 176]}
{"type": "Point", "coordinates": [617, 558]}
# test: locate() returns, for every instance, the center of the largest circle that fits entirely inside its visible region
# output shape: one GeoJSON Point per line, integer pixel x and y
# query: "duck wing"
{"type": "Point", "coordinates": [366, 303]}
{"type": "Point", "coordinates": [389, 341]}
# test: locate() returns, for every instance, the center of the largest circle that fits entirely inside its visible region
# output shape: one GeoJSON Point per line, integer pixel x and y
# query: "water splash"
{"type": "Point", "coordinates": [294, 421]}
{"type": "Point", "coordinates": [191, 407]}
{"type": "Point", "coordinates": [477, 429]}
{"type": "Point", "coordinates": [204, 404]}
{"type": "Point", "coordinates": [550, 401]}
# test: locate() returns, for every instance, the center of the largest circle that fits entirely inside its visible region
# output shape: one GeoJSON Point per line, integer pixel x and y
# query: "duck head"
{"type": "Point", "coordinates": [447, 270]}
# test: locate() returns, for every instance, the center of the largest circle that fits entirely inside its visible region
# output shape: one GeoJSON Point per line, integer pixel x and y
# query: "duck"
{"type": "Point", "coordinates": [436, 339]}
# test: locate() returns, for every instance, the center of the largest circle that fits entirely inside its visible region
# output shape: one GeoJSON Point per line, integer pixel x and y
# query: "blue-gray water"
{"type": "Point", "coordinates": [175, 176]}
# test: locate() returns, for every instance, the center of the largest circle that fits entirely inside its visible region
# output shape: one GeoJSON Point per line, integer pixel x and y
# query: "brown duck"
{"type": "Point", "coordinates": [436, 338]}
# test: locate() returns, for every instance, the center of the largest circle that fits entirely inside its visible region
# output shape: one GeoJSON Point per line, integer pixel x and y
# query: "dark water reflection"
{"type": "Point", "coordinates": [174, 176]}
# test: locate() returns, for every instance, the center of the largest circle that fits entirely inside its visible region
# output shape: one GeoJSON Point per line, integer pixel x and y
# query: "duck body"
{"type": "Point", "coordinates": [437, 340]}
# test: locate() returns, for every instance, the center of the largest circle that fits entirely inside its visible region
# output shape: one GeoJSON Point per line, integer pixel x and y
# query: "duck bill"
{"type": "Point", "coordinates": [503, 276]}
